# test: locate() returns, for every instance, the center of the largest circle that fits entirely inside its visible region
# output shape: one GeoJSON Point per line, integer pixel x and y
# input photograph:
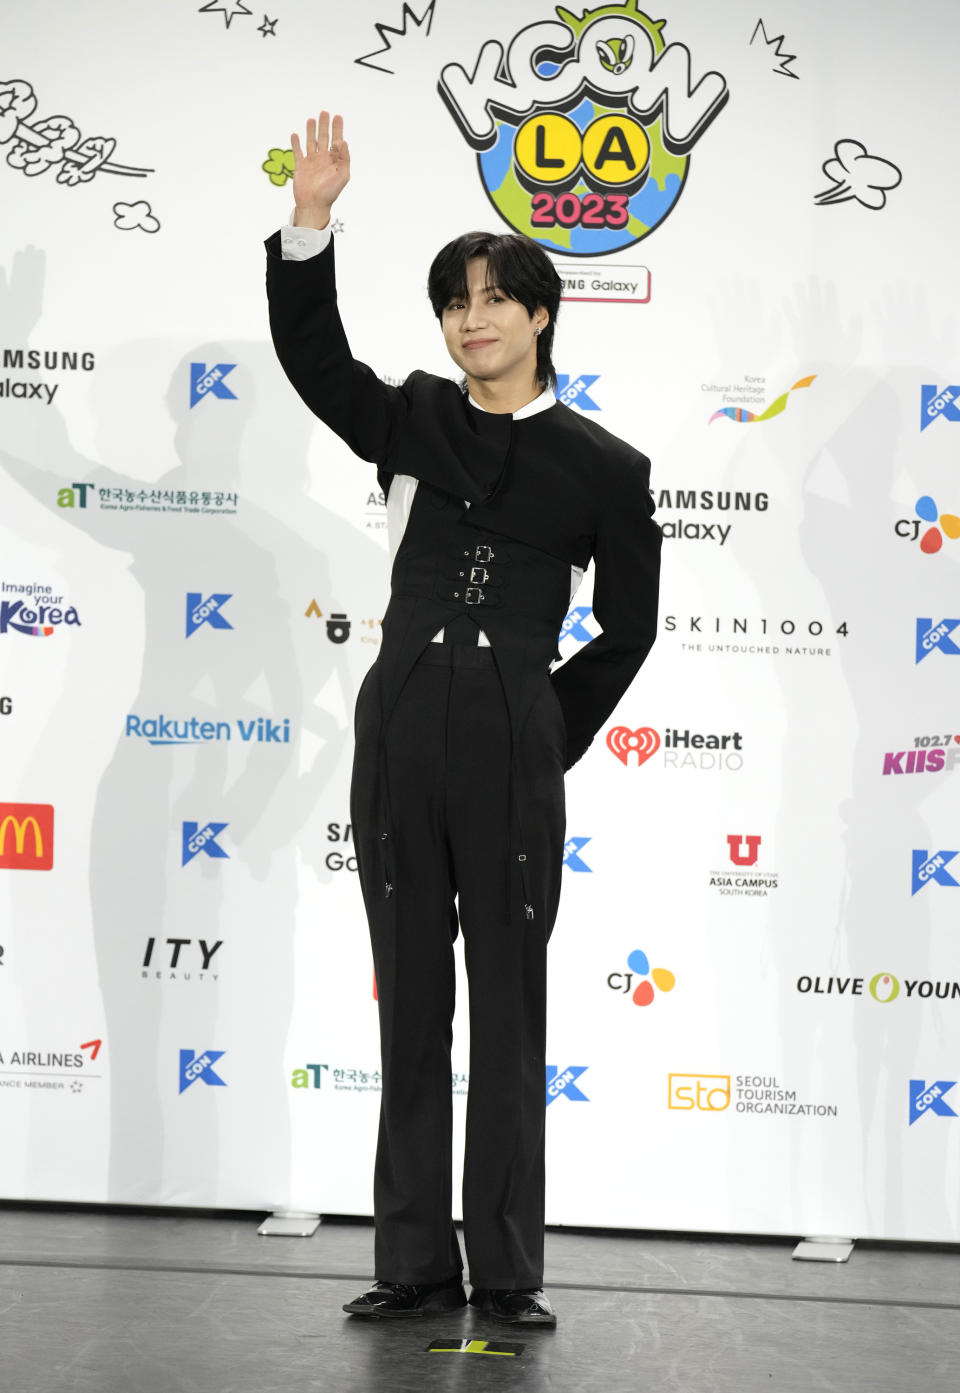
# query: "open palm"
{"type": "Point", "coordinates": [321, 169]}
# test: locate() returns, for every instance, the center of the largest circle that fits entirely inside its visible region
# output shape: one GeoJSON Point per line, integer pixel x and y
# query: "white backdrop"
{"type": "Point", "coordinates": [757, 847]}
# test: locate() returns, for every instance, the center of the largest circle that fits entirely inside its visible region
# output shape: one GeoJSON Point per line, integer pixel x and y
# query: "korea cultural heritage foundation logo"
{"type": "Point", "coordinates": [583, 128]}
{"type": "Point", "coordinates": [26, 836]}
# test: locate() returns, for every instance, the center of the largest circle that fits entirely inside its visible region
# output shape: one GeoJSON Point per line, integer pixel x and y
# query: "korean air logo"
{"type": "Point", "coordinates": [195, 1066]}
{"type": "Point", "coordinates": [197, 839]}
{"type": "Point", "coordinates": [936, 637]}
{"type": "Point", "coordinates": [936, 402]}
{"type": "Point", "coordinates": [202, 611]}
{"type": "Point", "coordinates": [564, 1085]}
{"type": "Point", "coordinates": [927, 868]}
{"type": "Point", "coordinates": [926, 1097]}
{"type": "Point", "coordinates": [574, 391]}
{"type": "Point", "coordinates": [571, 854]}
{"type": "Point", "coordinates": [208, 382]}
{"type": "Point", "coordinates": [574, 626]}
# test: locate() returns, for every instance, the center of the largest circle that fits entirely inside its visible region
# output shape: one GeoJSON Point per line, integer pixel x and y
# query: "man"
{"type": "Point", "coordinates": [497, 499]}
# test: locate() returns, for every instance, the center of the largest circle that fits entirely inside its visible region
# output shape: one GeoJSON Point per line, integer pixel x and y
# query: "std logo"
{"type": "Point", "coordinates": [698, 1092]}
{"type": "Point", "coordinates": [583, 128]}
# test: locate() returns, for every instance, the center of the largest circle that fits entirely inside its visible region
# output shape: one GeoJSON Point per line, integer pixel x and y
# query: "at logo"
{"type": "Point", "coordinates": [574, 627]}
{"type": "Point", "coordinates": [623, 742]}
{"type": "Point", "coordinates": [584, 126]}
{"type": "Point", "coordinates": [932, 636]}
{"type": "Point", "coordinates": [738, 856]}
{"type": "Point", "coordinates": [206, 382]}
{"type": "Point", "coordinates": [26, 836]}
{"type": "Point", "coordinates": [927, 868]}
{"type": "Point", "coordinates": [704, 1092]}
{"type": "Point", "coordinates": [200, 1066]}
{"type": "Point", "coordinates": [565, 1084]}
{"type": "Point", "coordinates": [936, 402]}
{"type": "Point", "coordinates": [202, 611]}
{"type": "Point", "coordinates": [572, 391]}
{"type": "Point", "coordinates": [930, 1098]}
{"type": "Point", "coordinates": [197, 839]}
{"type": "Point", "coordinates": [571, 854]}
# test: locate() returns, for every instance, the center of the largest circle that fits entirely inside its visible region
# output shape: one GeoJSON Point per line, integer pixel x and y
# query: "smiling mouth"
{"type": "Point", "coordinates": [479, 343]}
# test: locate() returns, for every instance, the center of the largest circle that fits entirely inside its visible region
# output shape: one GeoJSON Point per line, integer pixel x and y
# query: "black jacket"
{"type": "Point", "coordinates": [546, 492]}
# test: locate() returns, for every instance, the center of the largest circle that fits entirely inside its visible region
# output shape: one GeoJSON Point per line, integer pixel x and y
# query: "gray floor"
{"type": "Point", "coordinates": [95, 1302]}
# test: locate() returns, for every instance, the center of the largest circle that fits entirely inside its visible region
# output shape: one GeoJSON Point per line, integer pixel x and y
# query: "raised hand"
{"type": "Point", "coordinates": [320, 171]}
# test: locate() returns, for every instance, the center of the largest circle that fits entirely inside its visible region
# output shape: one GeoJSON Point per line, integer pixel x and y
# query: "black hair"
{"type": "Point", "coordinates": [518, 267]}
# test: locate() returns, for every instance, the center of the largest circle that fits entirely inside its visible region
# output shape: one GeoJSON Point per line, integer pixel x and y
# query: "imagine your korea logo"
{"type": "Point", "coordinates": [583, 128]}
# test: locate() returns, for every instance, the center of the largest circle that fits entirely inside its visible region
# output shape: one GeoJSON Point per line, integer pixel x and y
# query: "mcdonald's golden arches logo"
{"type": "Point", "coordinates": [26, 836]}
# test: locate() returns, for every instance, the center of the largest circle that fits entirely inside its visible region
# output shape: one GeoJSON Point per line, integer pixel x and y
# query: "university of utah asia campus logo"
{"type": "Point", "coordinates": [584, 126]}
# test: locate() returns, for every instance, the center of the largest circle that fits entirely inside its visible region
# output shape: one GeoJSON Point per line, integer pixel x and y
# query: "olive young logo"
{"type": "Point", "coordinates": [584, 126]}
{"type": "Point", "coordinates": [883, 987]}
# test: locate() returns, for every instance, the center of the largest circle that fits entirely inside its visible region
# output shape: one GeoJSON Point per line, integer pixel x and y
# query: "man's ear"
{"type": "Point", "coordinates": [541, 318]}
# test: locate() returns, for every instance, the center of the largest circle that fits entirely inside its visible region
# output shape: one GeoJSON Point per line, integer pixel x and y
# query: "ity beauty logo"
{"type": "Point", "coordinates": [583, 127]}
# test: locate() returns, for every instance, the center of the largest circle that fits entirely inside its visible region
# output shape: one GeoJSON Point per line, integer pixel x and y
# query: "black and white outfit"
{"type": "Point", "coordinates": [462, 740]}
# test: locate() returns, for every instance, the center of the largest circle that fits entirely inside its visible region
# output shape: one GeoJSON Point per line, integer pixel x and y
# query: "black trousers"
{"type": "Point", "coordinates": [454, 794]}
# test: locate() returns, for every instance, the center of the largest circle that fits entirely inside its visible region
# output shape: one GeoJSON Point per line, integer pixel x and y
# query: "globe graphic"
{"type": "Point", "coordinates": [647, 207]}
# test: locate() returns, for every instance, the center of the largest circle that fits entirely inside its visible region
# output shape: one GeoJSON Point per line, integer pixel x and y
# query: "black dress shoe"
{"type": "Point", "coordinates": [526, 1307]}
{"type": "Point", "coordinates": [398, 1300]}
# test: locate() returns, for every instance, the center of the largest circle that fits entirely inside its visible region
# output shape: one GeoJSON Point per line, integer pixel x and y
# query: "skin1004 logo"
{"type": "Point", "coordinates": [584, 125]}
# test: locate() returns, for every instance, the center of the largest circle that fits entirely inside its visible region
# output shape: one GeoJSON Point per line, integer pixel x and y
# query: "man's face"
{"type": "Point", "coordinates": [489, 336]}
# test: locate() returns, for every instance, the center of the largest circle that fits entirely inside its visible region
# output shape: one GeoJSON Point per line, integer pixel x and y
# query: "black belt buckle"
{"type": "Point", "coordinates": [478, 575]}
{"type": "Point", "coordinates": [478, 595]}
{"type": "Point", "coordinates": [484, 552]}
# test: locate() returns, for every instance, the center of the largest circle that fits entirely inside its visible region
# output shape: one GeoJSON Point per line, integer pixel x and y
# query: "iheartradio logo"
{"type": "Point", "coordinates": [624, 742]}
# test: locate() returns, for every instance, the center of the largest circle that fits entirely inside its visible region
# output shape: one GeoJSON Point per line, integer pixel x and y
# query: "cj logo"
{"type": "Point", "coordinates": [930, 1098]}
{"type": "Point", "coordinates": [737, 854]}
{"type": "Point", "coordinates": [934, 403]}
{"type": "Point", "coordinates": [196, 840]}
{"type": "Point", "coordinates": [571, 854]}
{"type": "Point", "coordinates": [927, 868]}
{"type": "Point", "coordinates": [584, 126]}
{"type": "Point", "coordinates": [623, 742]}
{"type": "Point", "coordinates": [931, 636]}
{"type": "Point", "coordinates": [200, 1066]}
{"type": "Point", "coordinates": [206, 382]}
{"type": "Point", "coordinates": [565, 1084]}
{"type": "Point", "coordinates": [573, 391]}
{"type": "Point", "coordinates": [202, 611]}
{"type": "Point", "coordinates": [643, 993]}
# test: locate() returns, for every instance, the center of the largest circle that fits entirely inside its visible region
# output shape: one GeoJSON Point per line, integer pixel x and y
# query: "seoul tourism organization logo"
{"type": "Point", "coordinates": [584, 126]}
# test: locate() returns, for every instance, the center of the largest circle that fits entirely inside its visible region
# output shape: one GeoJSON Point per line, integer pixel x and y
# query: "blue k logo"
{"type": "Point", "coordinates": [931, 636]}
{"type": "Point", "coordinates": [936, 402]}
{"type": "Point", "coordinates": [206, 382]}
{"type": "Point", "coordinates": [571, 854]}
{"type": "Point", "coordinates": [930, 1098]}
{"type": "Point", "coordinates": [205, 611]}
{"type": "Point", "coordinates": [573, 391]}
{"type": "Point", "coordinates": [565, 1083]}
{"type": "Point", "coordinates": [927, 868]}
{"type": "Point", "coordinates": [574, 627]}
{"type": "Point", "coordinates": [196, 840]}
{"type": "Point", "coordinates": [200, 1066]}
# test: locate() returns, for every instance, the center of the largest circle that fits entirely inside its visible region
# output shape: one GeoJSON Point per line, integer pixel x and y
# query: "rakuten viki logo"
{"type": "Point", "coordinates": [202, 611]}
{"type": "Point", "coordinates": [171, 730]}
{"type": "Point", "coordinates": [208, 382]}
{"type": "Point", "coordinates": [933, 637]}
{"type": "Point", "coordinates": [927, 868]}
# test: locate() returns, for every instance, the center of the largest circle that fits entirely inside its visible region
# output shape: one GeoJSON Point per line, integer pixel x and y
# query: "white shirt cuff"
{"type": "Point", "coordinates": [300, 243]}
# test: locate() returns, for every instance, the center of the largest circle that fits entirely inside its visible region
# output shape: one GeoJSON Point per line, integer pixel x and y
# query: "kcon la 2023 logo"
{"type": "Point", "coordinates": [584, 127]}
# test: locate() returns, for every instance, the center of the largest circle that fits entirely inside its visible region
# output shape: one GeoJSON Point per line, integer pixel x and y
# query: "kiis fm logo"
{"type": "Point", "coordinates": [945, 754]}
{"type": "Point", "coordinates": [26, 836]}
{"type": "Point", "coordinates": [584, 126]}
